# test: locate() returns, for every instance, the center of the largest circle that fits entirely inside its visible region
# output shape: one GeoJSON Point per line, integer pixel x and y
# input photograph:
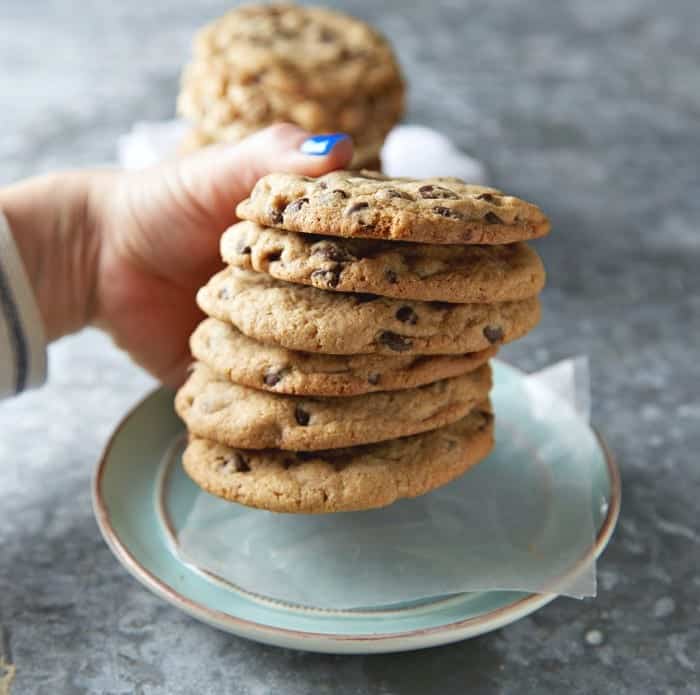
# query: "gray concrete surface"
{"type": "Point", "coordinates": [592, 109]}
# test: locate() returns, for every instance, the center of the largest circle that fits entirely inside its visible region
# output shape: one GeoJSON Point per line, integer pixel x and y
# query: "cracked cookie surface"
{"type": "Point", "coordinates": [370, 205]}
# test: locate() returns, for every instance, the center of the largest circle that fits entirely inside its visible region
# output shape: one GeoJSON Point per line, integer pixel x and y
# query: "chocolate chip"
{"type": "Point", "coordinates": [274, 375]}
{"type": "Point", "coordinates": [327, 36]}
{"type": "Point", "coordinates": [448, 212]}
{"type": "Point", "coordinates": [374, 378]}
{"type": "Point", "coordinates": [364, 297]}
{"type": "Point", "coordinates": [432, 192]}
{"type": "Point", "coordinates": [339, 193]}
{"type": "Point", "coordinates": [494, 334]}
{"type": "Point", "coordinates": [488, 198]}
{"type": "Point", "coordinates": [487, 419]}
{"type": "Point", "coordinates": [240, 464]}
{"type": "Point", "coordinates": [242, 248]}
{"type": "Point", "coordinates": [223, 293]}
{"type": "Point", "coordinates": [273, 256]}
{"type": "Point", "coordinates": [275, 215]}
{"type": "Point", "coordinates": [234, 462]}
{"type": "Point", "coordinates": [406, 315]}
{"type": "Point", "coordinates": [440, 306]}
{"type": "Point", "coordinates": [389, 193]}
{"type": "Point", "coordinates": [357, 207]}
{"type": "Point", "coordinates": [322, 185]}
{"type": "Point", "coordinates": [332, 252]}
{"type": "Point", "coordinates": [301, 416]}
{"type": "Point", "coordinates": [492, 218]}
{"type": "Point", "coordinates": [327, 278]}
{"type": "Point", "coordinates": [391, 277]}
{"type": "Point", "coordinates": [296, 205]}
{"type": "Point", "coordinates": [394, 341]}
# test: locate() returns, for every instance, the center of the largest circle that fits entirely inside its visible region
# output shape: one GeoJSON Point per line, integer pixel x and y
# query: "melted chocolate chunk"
{"type": "Point", "coordinates": [328, 278]}
{"type": "Point", "coordinates": [406, 315]}
{"type": "Point", "coordinates": [389, 193]}
{"type": "Point", "coordinates": [275, 215]}
{"type": "Point", "coordinates": [391, 276]}
{"type": "Point", "coordinates": [233, 463]}
{"type": "Point", "coordinates": [274, 256]}
{"type": "Point", "coordinates": [306, 455]}
{"type": "Point", "coordinates": [489, 198]}
{"type": "Point", "coordinates": [340, 193]}
{"type": "Point", "coordinates": [301, 416]}
{"type": "Point", "coordinates": [357, 207]}
{"type": "Point", "coordinates": [487, 419]}
{"type": "Point", "coordinates": [493, 218]}
{"type": "Point", "coordinates": [394, 341]}
{"type": "Point", "coordinates": [374, 378]}
{"type": "Point", "coordinates": [240, 464]}
{"type": "Point", "coordinates": [494, 334]}
{"type": "Point", "coordinates": [433, 192]}
{"type": "Point", "coordinates": [296, 205]}
{"type": "Point", "coordinates": [242, 248]}
{"type": "Point", "coordinates": [448, 212]}
{"type": "Point", "coordinates": [332, 252]}
{"type": "Point", "coordinates": [274, 375]}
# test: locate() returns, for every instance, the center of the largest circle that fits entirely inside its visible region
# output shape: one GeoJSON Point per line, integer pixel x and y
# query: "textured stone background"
{"type": "Point", "coordinates": [591, 108]}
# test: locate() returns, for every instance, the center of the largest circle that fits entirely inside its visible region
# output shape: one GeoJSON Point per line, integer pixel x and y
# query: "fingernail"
{"type": "Point", "coordinates": [320, 145]}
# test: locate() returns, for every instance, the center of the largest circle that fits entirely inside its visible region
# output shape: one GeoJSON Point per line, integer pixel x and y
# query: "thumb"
{"type": "Point", "coordinates": [218, 177]}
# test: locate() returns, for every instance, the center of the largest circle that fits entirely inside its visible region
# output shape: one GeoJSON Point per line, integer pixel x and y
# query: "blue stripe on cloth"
{"type": "Point", "coordinates": [19, 340]}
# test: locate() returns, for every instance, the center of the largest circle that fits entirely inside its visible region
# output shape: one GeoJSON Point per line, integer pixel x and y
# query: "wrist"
{"type": "Point", "coordinates": [53, 222]}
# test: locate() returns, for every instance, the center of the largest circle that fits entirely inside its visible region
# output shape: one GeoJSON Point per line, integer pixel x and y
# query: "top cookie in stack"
{"type": "Point", "coordinates": [320, 69]}
{"type": "Point", "coordinates": [346, 370]}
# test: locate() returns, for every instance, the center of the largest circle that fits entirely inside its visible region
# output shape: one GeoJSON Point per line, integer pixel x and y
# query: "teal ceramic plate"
{"type": "Point", "coordinates": [141, 500]}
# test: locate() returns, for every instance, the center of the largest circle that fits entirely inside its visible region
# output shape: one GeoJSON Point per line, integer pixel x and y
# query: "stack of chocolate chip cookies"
{"type": "Point", "coordinates": [320, 69]}
{"type": "Point", "coordinates": [344, 363]}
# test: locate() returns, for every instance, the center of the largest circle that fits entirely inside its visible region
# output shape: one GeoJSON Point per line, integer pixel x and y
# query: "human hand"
{"type": "Point", "coordinates": [129, 250]}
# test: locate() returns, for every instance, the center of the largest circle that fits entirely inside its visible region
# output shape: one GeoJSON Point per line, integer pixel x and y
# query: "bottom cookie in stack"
{"type": "Point", "coordinates": [312, 454]}
{"type": "Point", "coordinates": [341, 480]}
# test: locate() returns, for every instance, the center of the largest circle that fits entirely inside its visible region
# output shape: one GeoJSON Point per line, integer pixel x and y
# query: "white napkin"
{"type": "Point", "coordinates": [409, 150]}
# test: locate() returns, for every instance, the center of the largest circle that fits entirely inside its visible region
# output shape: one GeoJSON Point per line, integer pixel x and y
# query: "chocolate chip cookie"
{"type": "Point", "coordinates": [369, 205]}
{"type": "Point", "coordinates": [305, 318]}
{"type": "Point", "coordinates": [428, 272]}
{"type": "Point", "coordinates": [240, 359]}
{"type": "Point", "coordinates": [321, 69]}
{"type": "Point", "coordinates": [340, 480]}
{"type": "Point", "coordinates": [214, 408]}
{"type": "Point", "coordinates": [298, 50]}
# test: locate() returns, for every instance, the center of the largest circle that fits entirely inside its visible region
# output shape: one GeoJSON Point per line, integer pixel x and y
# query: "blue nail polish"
{"type": "Point", "coordinates": [320, 145]}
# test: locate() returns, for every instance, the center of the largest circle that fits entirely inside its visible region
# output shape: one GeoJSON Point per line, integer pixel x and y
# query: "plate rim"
{"type": "Point", "coordinates": [452, 631]}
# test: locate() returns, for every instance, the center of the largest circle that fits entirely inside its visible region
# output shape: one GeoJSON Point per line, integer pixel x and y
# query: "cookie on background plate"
{"type": "Point", "coordinates": [426, 272]}
{"type": "Point", "coordinates": [235, 415]}
{"type": "Point", "coordinates": [243, 360]}
{"type": "Point", "coordinates": [304, 318]}
{"type": "Point", "coordinates": [350, 479]}
{"type": "Point", "coordinates": [370, 205]}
